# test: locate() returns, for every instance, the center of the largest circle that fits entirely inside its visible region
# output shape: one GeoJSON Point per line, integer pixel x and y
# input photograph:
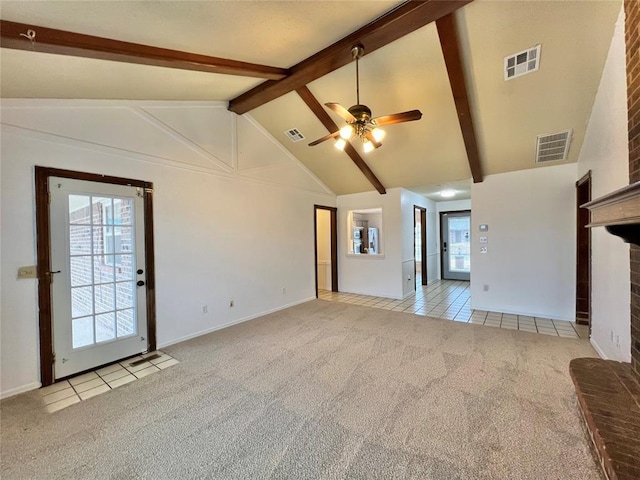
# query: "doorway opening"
{"type": "Point", "coordinates": [583, 252]}
{"type": "Point", "coordinates": [420, 245]}
{"type": "Point", "coordinates": [96, 272]}
{"type": "Point", "coordinates": [455, 245]}
{"type": "Point", "coordinates": [325, 226]}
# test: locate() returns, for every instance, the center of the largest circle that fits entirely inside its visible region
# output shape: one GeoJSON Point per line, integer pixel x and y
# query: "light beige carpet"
{"type": "Point", "coordinates": [323, 391]}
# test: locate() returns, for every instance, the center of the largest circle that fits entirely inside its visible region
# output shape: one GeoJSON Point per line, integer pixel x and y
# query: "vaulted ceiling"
{"type": "Point", "coordinates": [443, 58]}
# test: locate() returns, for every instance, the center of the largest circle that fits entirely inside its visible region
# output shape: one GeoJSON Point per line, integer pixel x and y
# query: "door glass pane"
{"type": "Point", "coordinates": [459, 244]}
{"type": "Point", "coordinates": [105, 327]}
{"type": "Point", "coordinates": [102, 211]}
{"type": "Point", "coordinates": [124, 267]}
{"type": "Point", "coordinates": [125, 295]}
{"type": "Point", "coordinates": [123, 239]}
{"type": "Point", "coordinates": [126, 322]}
{"type": "Point", "coordinates": [82, 332]}
{"type": "Point", "coordinates": [103, 268]}
{"type": "Point", "coordinates": [123, 210]}
{"type": "Point", "coordinates": [81, 271]}
{"type": "Point", "coordinates": [79, 240]}
{"type": "Point", "coordinates": [81, 301]}
{"type": "Point", "coordinates": [102, 240]}
{"type": "Point", "coordinates": [79, 209]}
{"type": "Point", "coordinates": [104, 298]}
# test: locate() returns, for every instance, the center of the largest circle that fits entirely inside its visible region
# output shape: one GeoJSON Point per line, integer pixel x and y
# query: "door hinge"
{"type": "Point", "coordinates": [53, 358]}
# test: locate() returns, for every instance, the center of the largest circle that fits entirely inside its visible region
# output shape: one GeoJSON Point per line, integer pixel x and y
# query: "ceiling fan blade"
{"type": "Point", "coordinates": [409, 116]}
{"type": "Point", "coordinates": [340, 110]}
{"type": "Point", "coordinates": [326, 137]}
{"type": "Point", "coordinates": [376, 144]}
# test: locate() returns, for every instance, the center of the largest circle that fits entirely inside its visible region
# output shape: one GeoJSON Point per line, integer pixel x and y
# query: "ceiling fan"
{"type": "Point", "coordinates": [359, 120]}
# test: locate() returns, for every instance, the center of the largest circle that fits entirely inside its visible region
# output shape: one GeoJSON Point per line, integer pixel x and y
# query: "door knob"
{"type": "Point", "coordinates": [140, 271]}
{"type": "Point", "coordinates": [140, 283]}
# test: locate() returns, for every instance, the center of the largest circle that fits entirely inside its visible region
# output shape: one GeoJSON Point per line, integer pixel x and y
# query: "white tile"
{"type": "Point", "coordinates": [83, 387]}
{"type": "Point", "coordinates": [83, 378]}
{"type": "Point", "coordinates": [56, 387]}
{"type": "Point", "coordinates": [509, 327]}
{"type": "Point", "coordinates": [146, 371]}
{"type": "Point", "coordinates": [110, 377]}
{"type": "Point", "coordinates": [121, 381]}
{"type": "Point", "coordinates": [59, 405]}
{"type": "Point", "coordinates": [547, 332]}
{"type": "Point", "coordinates": [567, 334]}
{"type": "Point", "coordinates": [59, 395]}
{"type": "Point", "coordinates": [94, 391]}
{"type": "Point", "coordinates": [167, 363]}
{"type": "Point", "coordinates": [111, 368]}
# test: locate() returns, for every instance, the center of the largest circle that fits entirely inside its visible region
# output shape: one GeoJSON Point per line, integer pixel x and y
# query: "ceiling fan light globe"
{"type": "Point", "coordinates": [367, 146]}
{"type": "Point", "coordinates": [346, 132]}
{"type": "Point", "coordinates": [378, 134]}
{"type": "Point", "coordinates": [340, 144]}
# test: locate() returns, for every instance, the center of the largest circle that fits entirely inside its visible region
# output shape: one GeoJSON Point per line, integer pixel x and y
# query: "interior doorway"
{"type": "Point", "coordinates": [420, 245]}
{"type": "Point", "coordinates": [326, 248]}
{"type": "Point", "coordinates": [96, 288]}
{"type": "Point", "coordinates": [583, 252]}
{"type": "Point", "coordinates": [455, 245]}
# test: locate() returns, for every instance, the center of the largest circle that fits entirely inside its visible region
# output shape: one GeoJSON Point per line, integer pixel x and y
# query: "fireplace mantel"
{"type": "Point", "coordinates": [618, 212]}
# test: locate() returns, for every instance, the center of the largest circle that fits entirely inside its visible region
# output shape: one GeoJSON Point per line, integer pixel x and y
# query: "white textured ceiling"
{"type": "Point", "coordinates": [407, 74]}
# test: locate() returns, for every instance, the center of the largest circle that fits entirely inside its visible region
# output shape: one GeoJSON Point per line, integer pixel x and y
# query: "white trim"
{"type": "Point", "coordinates": [24, 388]}
{"type": "Point", "coordinates": [233, 322]}
{"type": "Point", "coordinates": [597, 349]}
{"type": "Point", "coordinates": [79, 103]}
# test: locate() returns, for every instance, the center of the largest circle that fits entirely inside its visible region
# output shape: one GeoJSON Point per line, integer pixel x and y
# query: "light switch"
{"type": "Point", "coordinates": [483, 239]}
{"type": "Point", "coordinates": [483, 249]}
{"type": "Point", "coordinates": [27, 272]}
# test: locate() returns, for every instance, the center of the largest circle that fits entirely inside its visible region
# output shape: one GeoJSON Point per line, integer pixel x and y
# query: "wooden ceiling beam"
{"type": "Point", "coordinates": [48, 40]}
{"type": "Point", "coordinates": [330, 125]}
{"type": "Point", "coordinates": [396, 23]}
{"type": "Point", "coordinates": [450, 44]}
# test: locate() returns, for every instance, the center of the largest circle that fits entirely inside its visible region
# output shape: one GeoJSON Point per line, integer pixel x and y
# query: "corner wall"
{"type": "Point", "coordinates": [233, 212]}
{"type": "Point", "coordinates": [529, 268]}
{"type": "Point", "coordinates": [605, 152]}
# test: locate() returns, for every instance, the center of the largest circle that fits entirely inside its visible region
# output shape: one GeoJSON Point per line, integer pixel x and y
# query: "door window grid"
{"type": "Point", "coordinates": [101, 266]}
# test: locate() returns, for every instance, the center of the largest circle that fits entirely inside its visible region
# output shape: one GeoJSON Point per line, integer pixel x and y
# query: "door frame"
{"type": "Point", "coordinates": [333, 222]}
{"type": "Point", "coordinates": [582, 219]}
{"type": "Point", "coordinates": [423, 246]}
{"type": "Point", "coordinates": [43, 247]}
{"type": "Point", "coordinates": [442, 214]}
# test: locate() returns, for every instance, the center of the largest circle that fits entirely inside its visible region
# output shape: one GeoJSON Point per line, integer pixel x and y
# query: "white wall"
{"type": "Point", "coordinates": [378, 275]}
{"type": "Point", "coordinates": [408, 201]}
{"type": "Point", "coordinates": [605, 152]}
{"type": "Point", "coordinates": [323, 242]}
{"type": "Point", "coordinates": [223, 228]}
{"type": "Point", "coordinates": [448, 206]}
{"type": "Point", "coordinates": [530, 265]}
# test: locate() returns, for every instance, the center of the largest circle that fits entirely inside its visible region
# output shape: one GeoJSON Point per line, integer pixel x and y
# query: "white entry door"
{"type": "Point", "coordinates": [456, 245]}
{"type": "Point", "coordinates": [98, 273]}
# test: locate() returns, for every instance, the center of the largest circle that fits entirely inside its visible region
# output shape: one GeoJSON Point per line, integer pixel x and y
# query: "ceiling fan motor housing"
{"type": "Point", "coordinates": [361, 112]}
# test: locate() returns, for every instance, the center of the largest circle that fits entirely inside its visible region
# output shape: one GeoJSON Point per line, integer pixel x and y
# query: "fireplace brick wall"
{"type": "Point", "coordinates": [632, 39]}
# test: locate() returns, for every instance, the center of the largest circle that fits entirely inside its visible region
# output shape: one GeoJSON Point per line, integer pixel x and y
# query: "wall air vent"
{"type": "Point", "coordinates": [553, 147]}
{"type": "Point", "coordinates": [522, 63]}
{"type": "Point", "coordinates": [294, 135]}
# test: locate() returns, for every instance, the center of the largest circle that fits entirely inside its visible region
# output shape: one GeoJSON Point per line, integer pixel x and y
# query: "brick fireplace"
{"type": "Point", "coordinates": [632, 40]}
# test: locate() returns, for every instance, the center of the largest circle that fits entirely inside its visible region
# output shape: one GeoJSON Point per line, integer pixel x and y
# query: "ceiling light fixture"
{"type": "Point", "coordinates": [360, 123]}
{"type": "Point", "coordinates": [448, 193]}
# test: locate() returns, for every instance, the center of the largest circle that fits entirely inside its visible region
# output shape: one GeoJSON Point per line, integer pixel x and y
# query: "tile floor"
{"type": "Point", "coordinates": [451, 300]}
{"type": "Point", "coordinates": [63, 394]}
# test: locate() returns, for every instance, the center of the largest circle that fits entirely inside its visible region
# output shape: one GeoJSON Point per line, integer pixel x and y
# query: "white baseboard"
{"type": "Point", "coordinates": [231, 323]}
{"type": "Point", "coordinates": [597, 348]}
{"type": "Point", "coordinates": [15, 391]}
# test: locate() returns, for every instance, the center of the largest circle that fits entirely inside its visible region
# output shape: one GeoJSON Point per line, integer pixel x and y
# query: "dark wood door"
{"type": "Point", "coordinates": [583, 252]}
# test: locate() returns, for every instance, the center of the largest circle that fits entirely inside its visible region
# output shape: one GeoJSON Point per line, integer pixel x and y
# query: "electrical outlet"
{"type": "Point", "coordinates": [231, 303]}
{"type": "Point", "coordinates": [27, 272]}
{"type": "Point", "coordinates": [205, 309]}
{"type": "Point", "coordinates": [485, 288]}
{"type": "Point", "coordinates": [408, 278]}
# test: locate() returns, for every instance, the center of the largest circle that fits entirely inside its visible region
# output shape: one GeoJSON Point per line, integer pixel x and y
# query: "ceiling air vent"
{"type": "Point", "coordinates": [294, 135]}
{"type": "Point", "coordinates": [553, 147]}
{"type": "Point", "coordinates": [522, 63]}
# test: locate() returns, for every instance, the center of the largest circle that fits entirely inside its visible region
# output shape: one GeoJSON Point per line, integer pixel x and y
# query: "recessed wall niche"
{"type": "Point", "coordinates": [365, 231]}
